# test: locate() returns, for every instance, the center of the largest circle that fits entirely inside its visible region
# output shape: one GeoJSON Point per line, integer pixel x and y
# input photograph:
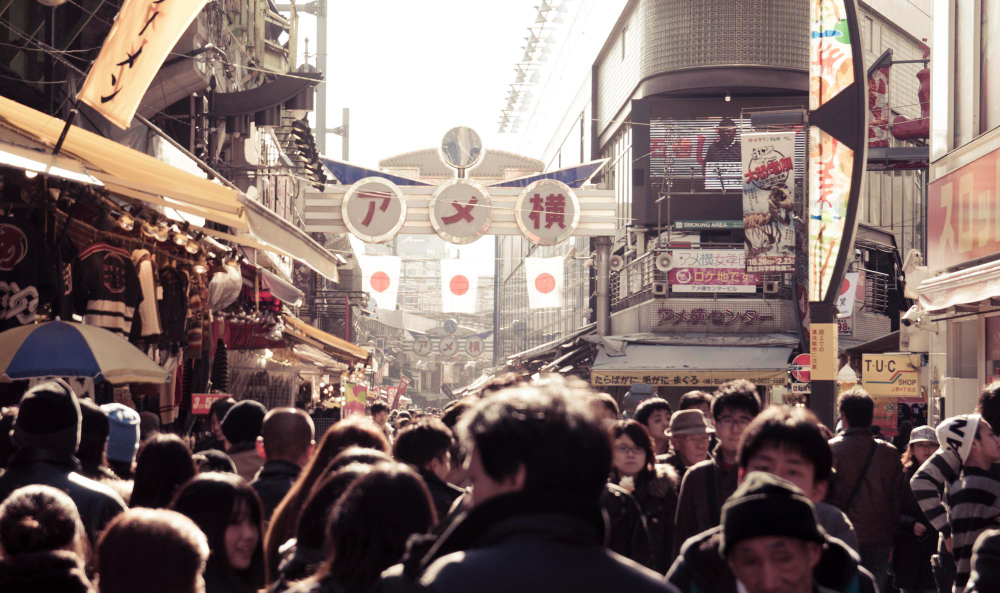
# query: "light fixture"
{"type": "Point", "coordinates": [181, 239]}
{"type": "Point", "coordinates": [30, 174]}
{"type": "Point", "coordinates": [126, 222]}
{"type": "Point", "coordinates": [149, 229]}
{"type": "Point", "coordinates": [202, 266]}
{"type": "Point", "coordinates": [728, 98]}
{"type": "Point", "coordinates": [192, 247]}
{"type": "Point", "coordinates": [162, 231]}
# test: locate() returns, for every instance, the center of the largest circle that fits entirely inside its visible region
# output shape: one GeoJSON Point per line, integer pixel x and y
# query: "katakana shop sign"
{"type": "Point", "coordinates": [547, 212]}
{"type": "Point", "coordinates": [769, 201]}
{"type": "Point", "coordinates": [374, 209]}
{"type": "Point", "coordinates": [686, 377]}
{"type": "Point", "coordinates": [143, 34]}
{"type": "Point", "coordinates": [668, 317]}
{"type": "Point", "coordinates": [461, 211]}
{"type": "Point", "coordinates": [704, 270]}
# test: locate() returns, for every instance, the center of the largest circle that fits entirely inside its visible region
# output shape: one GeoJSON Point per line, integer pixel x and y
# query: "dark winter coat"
{"type": "Point", "coordinates": [273, 482]}
{"type": "Point", "coordinates": [704, 489]}
{"type": "Point", "coordinates": [985, 577]}
{"type": "Point", "coordinates": [701, 569]}
{"type": "Point", "coordinates": [443, 493]}
{"type": "Point", "coordinates": [658, 499]}
{"type": "Point", "coordinates": [97, 503]}
{"type": "Point", "coordinates": [911, 559]}
{"type": "Point", "coordinates": [44, 572]}
{"type": "Point", "coordinates": [298, 562]}
{"type": "Point", "coordinates": [523, 542]}
{"type": "Point", "coordinates": [627, 533]}
{"type": "Point", "coordinates": [875, 510]}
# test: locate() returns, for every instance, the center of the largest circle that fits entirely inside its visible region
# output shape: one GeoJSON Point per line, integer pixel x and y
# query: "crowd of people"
{"type": "Point", "coordinates": [536, 485]}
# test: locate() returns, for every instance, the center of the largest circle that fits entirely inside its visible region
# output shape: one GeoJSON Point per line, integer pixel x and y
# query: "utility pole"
{"type": "Point", "coordinates": [317, 8]}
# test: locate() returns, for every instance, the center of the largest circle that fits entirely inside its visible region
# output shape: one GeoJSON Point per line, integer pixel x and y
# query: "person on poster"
{"type": "Point", "coordinates": [722, 157]}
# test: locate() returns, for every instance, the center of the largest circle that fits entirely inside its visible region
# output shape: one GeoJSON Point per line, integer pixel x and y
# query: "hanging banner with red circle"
{"type": "Point", "coordinates": [461, 211]}
{"type": "Point", "coordinates": [381, 278]}
{"type": "Point", "coordinates": [545, 281]}
{"type": "Point", "coordinates": [374, 209]}
{"type": "Point", "coordinates": [459, 283]}
{"type": "Point", "coordinates": [547, 212]}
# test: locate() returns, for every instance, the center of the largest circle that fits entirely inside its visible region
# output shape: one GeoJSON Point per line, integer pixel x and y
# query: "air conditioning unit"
{"type": "Point", "coordinates": [660, 289]}
{"type": "Point", "coordinates": [771, 287]}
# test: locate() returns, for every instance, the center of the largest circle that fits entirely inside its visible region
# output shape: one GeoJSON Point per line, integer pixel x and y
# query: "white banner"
{"type": "Point", "coordinates": [769, 201]}
{"type": "Point", "coordinates": [142, 36]}
{"type": "Point", "coordinates": [459, 282]}
{"type": "Point", "coordinates": [381, 278]}
{"type": "Point", "coordinates": [545, 281]}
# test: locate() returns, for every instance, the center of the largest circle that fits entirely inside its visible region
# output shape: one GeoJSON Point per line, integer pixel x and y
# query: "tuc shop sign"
{"type": "Point", "coordinates": [685, 378]}
{"type": "Point", "coordinates": [963, 214]}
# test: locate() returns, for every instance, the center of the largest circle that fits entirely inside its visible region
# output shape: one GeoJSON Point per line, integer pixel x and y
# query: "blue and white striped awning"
{"type": "Point", "coordinates": [348, 174]}
{"type": "Point", "coordinates": [575, 176]}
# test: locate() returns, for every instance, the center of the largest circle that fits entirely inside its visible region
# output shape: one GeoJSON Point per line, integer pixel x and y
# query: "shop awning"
{"type": "Point", "coordinates": [275, 230]}
{"type": "Point", "coordinates": [284, 291]}
{"type": "Point", "coordinates": [973, 286]}
{"type": "Point", "coordinates": [691, 366]}
{"type": "Point", "coordinates": [338, 348]}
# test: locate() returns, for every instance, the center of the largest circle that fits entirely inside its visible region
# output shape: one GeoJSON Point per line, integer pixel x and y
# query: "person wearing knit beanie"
{"type": "Point", "coordinates": [49, 417]}
{"type": "Point", "coordinates": [123, 438]}
{"type": "Point", "coordinates": [958, 432]}
{"type": "Point", "coordinates": [241, 427]}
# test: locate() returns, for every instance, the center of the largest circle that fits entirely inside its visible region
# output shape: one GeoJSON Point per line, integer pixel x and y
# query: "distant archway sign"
{"type": "Point", "coordinates": [374, 209]}
{"type": "Point", "coordinates": [461, 211]}
{"type": "Point", "coordinates": [547, 212]}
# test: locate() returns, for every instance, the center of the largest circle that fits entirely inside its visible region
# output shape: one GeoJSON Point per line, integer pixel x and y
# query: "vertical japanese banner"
{"type": "Point", "coordinates": [823, 342]}
{"type": "Point", "coordinates": [403, 382]}
{"type": "Point", "coordinates": [143, 34]}
{"type": "Point", "coordinates": [355, 399]}
{"type": "Point", "coordinates": [769, 201]}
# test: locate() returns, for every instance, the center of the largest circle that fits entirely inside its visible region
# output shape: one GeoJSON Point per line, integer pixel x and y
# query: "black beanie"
{"type": "Point", "coordinates": [48, 418]}
{"type": "Point", "coordinates": [765, 505]}
{"type": "Point", "coordinates": [243, 421]}
{"type": "Point", "coordinates": [94, 422]}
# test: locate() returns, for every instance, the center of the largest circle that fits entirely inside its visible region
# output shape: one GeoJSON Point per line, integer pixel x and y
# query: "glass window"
{"type": "Point", "coordinates": [989, 65]}
{"type": "Point", "coordinates": [966, 334]}
{"type": "Point", "coordinates": [992, 349]}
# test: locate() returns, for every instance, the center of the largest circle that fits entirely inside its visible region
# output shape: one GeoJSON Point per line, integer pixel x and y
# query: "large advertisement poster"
{"type": "Point", "coordinates": [704, 270]}
{"type": "Point", "coordinates": [769, 201]}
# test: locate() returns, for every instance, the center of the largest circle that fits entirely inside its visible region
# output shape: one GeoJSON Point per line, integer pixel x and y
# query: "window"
{"type": "Point", "coordinates": [964, 353]}
{"type": "Point", "coordinates": [869, 34]}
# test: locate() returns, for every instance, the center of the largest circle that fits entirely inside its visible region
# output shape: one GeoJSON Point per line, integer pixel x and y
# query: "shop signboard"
{"type": "Point", "coordinates": [891, 375]}
{"type": "Point", "coordinates": [374, 209]}
{"type": "Point", "coordinates": [703, 270]}
{"type": "Point", "coordinates": [400, 389]}
{"type": "Point", "coordinates": [769, 201]}
{"type": "Point", "coordinates": [461, 211]}
{"type": "Point", "coordinates": [707, 225]}
{"type": "Point", "coordinates": [686, 378]}
{"type": "Point", "coordinates": [201, 403]}
{"type": "Point", "coordinates": [885, 415]}
{"type": "Point", "coordinates": [823, 351]}
{"type": "Point", "coordinates": [963, 214]}
{"type": "Point", "coordinates": [547, 212]}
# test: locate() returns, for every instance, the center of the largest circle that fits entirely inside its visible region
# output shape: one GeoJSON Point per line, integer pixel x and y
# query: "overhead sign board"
{"type": "Point", "coordinates": [891, 375]}
{"type": "Point", "coordinates": [713, 271]}
{"type": "Point", "coordinates": [686, 378]}
{"type": "Point", "coordinates": [461, 211]}
{"type": "Point", "coordinates": [474, 346]}
{"type": "Point", "coordinates": [547, 211]}
{"type": "Point", "coordinates": [448, 346]}
{"type": "Point", "coordinates": [422, 346]}
{"type": "Point", "coordinates": [374, 209]}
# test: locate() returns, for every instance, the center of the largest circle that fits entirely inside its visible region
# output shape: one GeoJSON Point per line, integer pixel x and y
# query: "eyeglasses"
{"type": "Point", "coordinates": [729, 422]}
{"type": "Point", "coordinates": [625, 449]}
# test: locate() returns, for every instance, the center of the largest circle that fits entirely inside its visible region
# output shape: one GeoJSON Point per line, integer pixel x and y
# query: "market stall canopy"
{"type": "Point", "coordinates": [275, 230]}
{"type": "Point", "coordinates": [979, 285]}
{"type": "Point", "coordinates": [338, 348]}
{"type": "Point", "coordinates": [691, 366]}
{"type": "Point", "coordinates": [284, 291]}
{"type": "Point", "coordinates": [65, 349]}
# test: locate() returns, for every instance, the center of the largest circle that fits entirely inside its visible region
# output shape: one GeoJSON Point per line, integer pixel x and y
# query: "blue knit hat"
{"type": "Point", "coordinates": [123, 438]}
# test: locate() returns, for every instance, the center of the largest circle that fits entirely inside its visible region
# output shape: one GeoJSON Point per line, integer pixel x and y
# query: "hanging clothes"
{"type": "Point", "coordinates": [173, 309]}
{"type": "Point", "coordinates": [149, 314]}
{"type": "Point", "coordinates": [63, 305]}
{"type": "Point", "coordinates": [27, 274]}
{"type": "Point", "coordinates": [106, 288]}
{"type": "Point", "coordinates": [198, 314]}
{"type": "Point", "coordinates": [168, 390]}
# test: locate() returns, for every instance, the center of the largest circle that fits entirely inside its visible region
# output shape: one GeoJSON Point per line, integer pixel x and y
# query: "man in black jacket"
{"type": "Point", "coordinates": [538, 464]}
{"type": "Point", "coordinates": [286, 442]}
{"type": "Point", "coordinates": [426, 445]}
{"type": "Point", "coordinates": [47, 434]}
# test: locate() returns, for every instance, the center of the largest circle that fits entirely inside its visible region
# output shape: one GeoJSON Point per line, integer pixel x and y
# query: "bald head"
{"type": "Point", "coordinates": [287, 435]}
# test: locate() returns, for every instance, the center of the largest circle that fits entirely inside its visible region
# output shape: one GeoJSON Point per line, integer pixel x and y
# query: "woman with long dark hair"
{"type": "Point", "coordinates": [229, 512]}
{"type": "Point", "coordinates": [355, 431]}
{"type": "Point", "coordinates": [916, 539]}
{"type": "Point", "coordinates": [369, 527]}
{"type": "Point", "coordinates": [633, 467]}
{"type": "Point", "coordinates": [43, 545]}
{"type": "Point", "coordinates": [164, 464]}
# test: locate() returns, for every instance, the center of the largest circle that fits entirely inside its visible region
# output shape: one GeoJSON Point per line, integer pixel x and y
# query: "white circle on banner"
{"type": "Point", "coordinates": [461, 211]}
{"type": "Point", "coordinates": [547, 212]}
{"type": "Point", "coordinates": [475, 346]}
{"type": "Point", "coordinates": [448, 346]}
{"type": "Point", "coordinates": [422, 346]}
{"type": "Point", "coordinates": [374, 209]}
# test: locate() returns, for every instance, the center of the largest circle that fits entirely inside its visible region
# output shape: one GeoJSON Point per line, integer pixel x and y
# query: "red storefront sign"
{"type": "Point", "coordinates": [963, 214]}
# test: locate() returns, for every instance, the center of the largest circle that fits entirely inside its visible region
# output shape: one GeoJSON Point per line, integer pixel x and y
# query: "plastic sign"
{"type": "Point", "coordinates": [891, 375]}
{"type": "Point", "coordinates": [831, 65]}
{"type": "Point", "coordinates": [448, 346]}
{"type": "Point", "coordinates": [422, 346]}
{"type": "Point", "coordinates": [769, 201]}
{"type": "Point", "coordinates": [547, 212]}
{"type": "Point", "coordinates": [461, 211]}
{"type": "Point", "coordinates": [201, 403]}
{"type": "Point", "coordinates": [475, 346]}
{"type": "Point", "coordinates": [374, 209]}
{"type": "Point", "coordinates": [830, 172]}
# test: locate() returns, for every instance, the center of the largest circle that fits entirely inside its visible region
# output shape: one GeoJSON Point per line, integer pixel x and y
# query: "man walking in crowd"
{"type": "Point", "coordinates": [708, 484]}
{"type": "Point", "coordinates": [47, 434]}
{"type": "Point", "coordinates": [654, 413]}
{"type": "Point", "coordinates": [697, 400]}
{"type": "Point", "coordinates": [690, 435]}
{"type": "Point", "coordinates": [380, 414]}
{"type": "Point", "coordinates": [869, 484]}
{"type": "Point", "coordinates": [426, 445]}
{"type": "Point", "coordinates": [241, 427]}
{"type": "Point", "coordinates": [974, 499]}
{"type": "Point", "coordinates": [287, 441]}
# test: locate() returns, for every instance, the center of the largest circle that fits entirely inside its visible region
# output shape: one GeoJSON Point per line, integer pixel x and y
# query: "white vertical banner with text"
{"type": "Point", "coordinates": [459, 282]}
{"type": "Point", "coordinates": [545, 281]}
{"type": "Point", "coordinates": [381, 278]}
{"type": "Point", "coordinates": [769, 201]}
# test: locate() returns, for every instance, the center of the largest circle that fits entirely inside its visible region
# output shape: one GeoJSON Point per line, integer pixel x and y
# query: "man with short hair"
{"type": "Point", "coordinates": [426, 445]}
{"type": "Point", "coordinates": [654, 413]}
{"type": "Point", "coordinates": [286, 442]}
{"type": "Point", "coordinates": [697, 400]}
{"type": "Point", "coordinates": [538, 462]}
{"type": "Point", "coordinates": [869, 485]}
{"type": "Point", "coordinates": [689, 435]}
{"type": "Point", "coordinates": [240, 429]}
{"type": "Point", "coordinates": [380, 415]}
{"type": "Point", "coordinates": [708, 484]}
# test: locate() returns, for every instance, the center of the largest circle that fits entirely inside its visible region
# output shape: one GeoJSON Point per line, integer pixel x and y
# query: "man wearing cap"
{"type": "Point", "coordinates": [769, 541]}
{"type": "Point", "coordinates": [47, 434]}
{"type": "Point", "coordinates": [123, 439]}
{"type": "Point", "coordinates": [241, 427]}
{"type": "Point", "coordinates": [689, 435]}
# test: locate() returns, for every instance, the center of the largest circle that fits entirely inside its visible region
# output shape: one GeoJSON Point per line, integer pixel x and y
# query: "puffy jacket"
{"type": "Point", "coordinates": [911, 559]}
{"type": "Point", "coordinates": [701, 569]}
{"type": "Point", "coordinates": [876, 508]}
{"type": "Point", "coordinates": [523, 542]}
{"type": "Point", "coordinates": [96, 503]}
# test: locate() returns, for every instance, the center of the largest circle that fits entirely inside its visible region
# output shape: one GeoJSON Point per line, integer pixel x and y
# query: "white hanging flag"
{"type": "Point", "coordinates": [381, 279]}
{"type": "Point", "coordinates": [545, 281]}
{"type": "Point", "coordinates": [459, 279]}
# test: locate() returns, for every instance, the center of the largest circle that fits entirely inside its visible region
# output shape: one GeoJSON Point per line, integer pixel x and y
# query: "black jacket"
{"type": "Point", "coordinates": [700, 568]}
{"type": "Point", "coordinates": [273, 482]}
{"type": "Point", "coordinates": [443, 493]}
{"type": "Point", "coordinates": [44, 572]}
{"type": "Point", "coordinates": [525, 543]}
{"type": "Point", "coordinates": [628, 533]}
{"type": "Point", "coordinates": [704, 489]}
{"type": "Point", "coordinates": [911, 560]}
{"type": "Point", "coordinates": [97, 503]}
{"type": "Point", "coordinates": [985, 577]}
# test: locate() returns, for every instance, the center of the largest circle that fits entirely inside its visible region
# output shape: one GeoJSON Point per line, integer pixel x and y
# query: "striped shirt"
{"type": "Point", "coordinates": [973, 503]}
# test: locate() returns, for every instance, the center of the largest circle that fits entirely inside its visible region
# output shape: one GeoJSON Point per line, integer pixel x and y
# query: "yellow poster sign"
{"type": "Point", "coordinates": [823, 351]}
{"type": "Point", "coordinates": [686, 378]}
{"type": "Point", "coordinates": [891, 375]}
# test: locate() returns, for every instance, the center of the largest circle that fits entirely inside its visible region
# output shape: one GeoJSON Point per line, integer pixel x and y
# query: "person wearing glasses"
{"type": "Point", "coordinates": [708, 484]}
{"type": "Point", "coordinates": [690, 436]}
{"type": "Point", "coordinates": [634, 468]}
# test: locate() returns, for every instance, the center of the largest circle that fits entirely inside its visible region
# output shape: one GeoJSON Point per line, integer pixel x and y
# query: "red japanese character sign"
{"type": "Point", "coordinates": [374, 209]}
{"type": "Point", "coordinates": [461, 211]}
{"type": "Point", "coordinates": [547, 212]}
